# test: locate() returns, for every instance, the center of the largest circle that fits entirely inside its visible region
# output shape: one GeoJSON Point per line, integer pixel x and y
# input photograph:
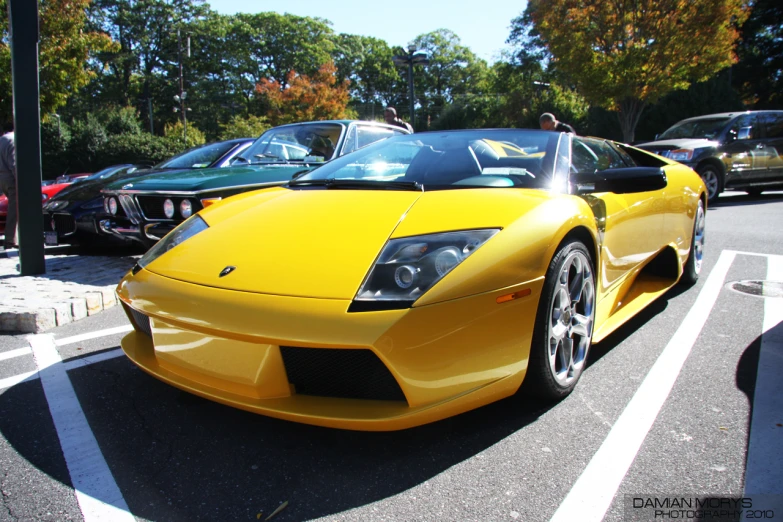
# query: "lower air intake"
{"type": "Point", "coordinates": [139, 320]}
{"type": "Point", "coordinates": [342, 373]}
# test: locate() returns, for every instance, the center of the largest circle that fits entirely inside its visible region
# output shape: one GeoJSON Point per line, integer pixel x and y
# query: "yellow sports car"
{"type": "Point", "coordinates": [416, 278]}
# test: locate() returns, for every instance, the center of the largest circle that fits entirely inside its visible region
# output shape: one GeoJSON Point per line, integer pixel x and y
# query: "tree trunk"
{"type": "Point", "coordinates": [630, 111]}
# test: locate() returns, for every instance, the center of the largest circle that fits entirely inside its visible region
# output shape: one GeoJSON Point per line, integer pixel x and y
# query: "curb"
{"type": "Point", "coordinates": [73, 287]}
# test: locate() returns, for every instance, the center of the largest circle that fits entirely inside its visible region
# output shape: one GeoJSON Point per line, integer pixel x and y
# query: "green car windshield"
{"type": "Point", "coordinates": [306, 142]}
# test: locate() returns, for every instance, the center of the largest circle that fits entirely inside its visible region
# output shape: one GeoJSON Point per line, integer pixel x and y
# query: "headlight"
{"type": "Point", "coordinates": [410, 266]}
{"type": "Point", "coordinates": [680, 154]}
{"type": "Point", "coordinates": [112, 206]}
{"type": "Point", "coordinates": [185, 231]}
{"type": "Point", "coordinates": [44, 197]}
{"type": "Point", "coordinates": [168, 208]}
{"type": "Point", "coordinates": [186, 208]}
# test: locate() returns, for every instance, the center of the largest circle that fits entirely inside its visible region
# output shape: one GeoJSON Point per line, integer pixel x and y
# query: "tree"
{"type": "Point", "coordinates": [367, 63]}
{"type": "Point", "coordinates": [64, 50]}
{"type": "Point", "coordinates": [624, 54]}
{"type": "Point", "coordinates": [759, 73]}
{"type": "Point", "coordinates": [304, 98]}
{"type": "Point", "coordinates": [454, 71]}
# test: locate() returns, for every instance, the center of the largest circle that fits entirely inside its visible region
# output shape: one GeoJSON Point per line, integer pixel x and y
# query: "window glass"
{"type": "Point", "coordinates": [744, 128]}
{"type": "Point", "coordinates": [703, 128]}
{"type": "Point", "coordinates": [198, 158]}
{"type": "Point", "coordinates": [591, 155]}
{"type": "Point", "coordinates": [495, 158]}
{"type": "Point", "coordinates": [294, 143]}
{"type": "Point", "coordinates": [773, 123]}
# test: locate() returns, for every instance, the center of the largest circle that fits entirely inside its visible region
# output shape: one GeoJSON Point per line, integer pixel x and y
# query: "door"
{"type": "Point", "coordinates": [773, 143]}
{"type": "Point", "coordinates": [632, 223]}
{"type": "Point", "coordinates": [745, 151]}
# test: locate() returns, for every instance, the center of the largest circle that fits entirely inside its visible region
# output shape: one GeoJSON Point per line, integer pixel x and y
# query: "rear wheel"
{"type": "Point", "coordinates": [713, 178]}
{"type": "Point", "coordinates": [564, 323]}
{"type": "Point", "coordinates": [692, 268]}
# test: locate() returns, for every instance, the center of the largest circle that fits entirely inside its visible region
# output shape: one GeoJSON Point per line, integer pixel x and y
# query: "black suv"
{"type": "Point", "coordinates": [730, 150]}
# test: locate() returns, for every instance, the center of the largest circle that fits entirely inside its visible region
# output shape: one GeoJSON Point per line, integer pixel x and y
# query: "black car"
{"type": "Point", "coordinates": [730, 150]}
{"type": "Point", "coordinates": [72, 216]}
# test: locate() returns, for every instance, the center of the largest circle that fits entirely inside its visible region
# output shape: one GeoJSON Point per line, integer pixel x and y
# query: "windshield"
{"type": "Point", "coordinates": [438, 160]}
{"type": "Point", "coordinates": [111, 172]}
{"type": "Point", "coordinates": [306, 142]}
{"type": "Point", "coordinates": [707, 128]}
{"type": "Point", "coordinates": [198, 158]}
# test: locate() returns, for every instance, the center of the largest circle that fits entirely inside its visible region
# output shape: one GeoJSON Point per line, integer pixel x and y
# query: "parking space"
{"type": "Point", "coordinates": [87, 435]}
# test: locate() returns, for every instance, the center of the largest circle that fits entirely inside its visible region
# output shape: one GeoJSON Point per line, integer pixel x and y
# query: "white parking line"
{"type": "Point", "coordinates": [764, 473]}
{"type": "Point", "coordinates": [16, 379]}
{"type": "Point", "coordinates": [595, 488]}
{"type": "Point", "coordinates": [10, 354]}
{"type": "Point", "coordinates": [93, 335]}
{"type": "Point", "coordinates": [96, 491]}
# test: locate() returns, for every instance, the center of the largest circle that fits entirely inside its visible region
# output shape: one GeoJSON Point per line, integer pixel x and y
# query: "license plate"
{"type": "Point", "coordinates": [50, 239]}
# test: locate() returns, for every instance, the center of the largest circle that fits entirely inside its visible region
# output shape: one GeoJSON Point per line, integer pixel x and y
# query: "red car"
{"type": "Point", "coordinates": [46, 192]}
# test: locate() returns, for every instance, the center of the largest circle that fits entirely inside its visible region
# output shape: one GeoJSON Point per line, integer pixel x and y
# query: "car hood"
{"type": "Point", "coordinates": [200, 180]}
{"type": "Point", "coordinates": [87, 190]}
{"type": "Point", "coordinates": [684, 143]}
{"type": "Point", "coordinates": [322, 243]}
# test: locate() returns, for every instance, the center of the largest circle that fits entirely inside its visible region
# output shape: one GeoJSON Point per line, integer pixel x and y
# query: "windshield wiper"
{"type": "Point", "coordinates": [357, 184]}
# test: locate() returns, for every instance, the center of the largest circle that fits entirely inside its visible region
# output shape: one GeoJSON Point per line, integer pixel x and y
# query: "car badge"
{"type": "Point", "coordinates": [129, 185]}
{"type": "Point", "coordinates": [227, 270]}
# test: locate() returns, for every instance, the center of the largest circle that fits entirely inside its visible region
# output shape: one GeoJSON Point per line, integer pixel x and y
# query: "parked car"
{"type": "Point", "coordinates": [415, 279]}
{"type": "Point", "coordinates": [47, 192]}
{"type": "Point", "coordinates": [72, 216]}
{"type": "Point", "coordinates": [731, 150]}
{"type": "Point", "coordinates": [147, 209]}
{"type": "Point", "coordinates": [69, 216]}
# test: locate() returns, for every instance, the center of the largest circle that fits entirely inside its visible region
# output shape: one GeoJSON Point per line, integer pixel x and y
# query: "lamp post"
{"type": "Point", "coordinates": [410, 59]}
{"type": "Point", "coordinates": [180, 98]}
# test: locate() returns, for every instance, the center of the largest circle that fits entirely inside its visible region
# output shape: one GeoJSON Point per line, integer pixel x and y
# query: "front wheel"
{"type": "Point", "coordinates": [692, 268]}
{"type": "Point", "coordinates": [564, 323]}
{"type": "Point", "coordinates": [713, 178]}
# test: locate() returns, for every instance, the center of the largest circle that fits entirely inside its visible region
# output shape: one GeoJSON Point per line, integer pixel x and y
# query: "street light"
{"type": "Point", "coordinates": [410, 59]}
{"type": "Point", "coordinates": [180, 98]}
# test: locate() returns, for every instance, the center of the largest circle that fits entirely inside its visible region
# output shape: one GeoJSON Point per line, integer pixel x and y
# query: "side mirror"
{"type": "Point", "coordinates": [628, 180]}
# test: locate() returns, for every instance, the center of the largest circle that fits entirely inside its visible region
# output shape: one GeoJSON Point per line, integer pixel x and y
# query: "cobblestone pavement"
{"type": "Point", "coordinates": [73, 287]}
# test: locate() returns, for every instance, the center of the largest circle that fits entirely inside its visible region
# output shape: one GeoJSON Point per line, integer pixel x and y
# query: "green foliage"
{"type": "Point", "coordinates": [239, 127]}
{"type": "Point", "coordinates": [121, 120]}
{"type": "Point", "coordinates": [64, 50]}
{"type": "Point", "coordinates": [88, 137]}
{"type": "Point", "coordinates": [55, 138]}
{"type": "Point", "coordinates": [175, 133]}
{"type": "Point", "coordinates": [367, 63]}
{"type": "Point", "coordinates": [759, 73]}
{"type": "Point", "coordinates": [137, 148]}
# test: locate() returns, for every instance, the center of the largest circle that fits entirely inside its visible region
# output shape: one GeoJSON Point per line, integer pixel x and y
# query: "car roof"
{"type": "Point", "coordinates": [724, 115]}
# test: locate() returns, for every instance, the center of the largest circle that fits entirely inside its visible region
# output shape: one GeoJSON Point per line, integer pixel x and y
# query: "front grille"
{"type": "Point", "coordinates": [129, 207]}
{"type": "Point", "coordinates": [152, 206]}
{"type": "Point", "coordinates": [139, 320]}
{"type": "Point", "coordinates": [343, 373]}
{"type": "Point", "coordinates": [64, 224]}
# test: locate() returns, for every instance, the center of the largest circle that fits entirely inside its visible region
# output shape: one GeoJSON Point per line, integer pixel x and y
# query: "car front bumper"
{"type": "Point", "coordinates": [309, 360]}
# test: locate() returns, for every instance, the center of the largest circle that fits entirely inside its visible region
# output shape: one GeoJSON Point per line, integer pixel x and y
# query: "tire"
{"type": "Point", "coordinates": [713, 178]}
{"type": "Point", "coordinates": [692, 267]}
{"type": "Point", "coordinates": [564, 323]}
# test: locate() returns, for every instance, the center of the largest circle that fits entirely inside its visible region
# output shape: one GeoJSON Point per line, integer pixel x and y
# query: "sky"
{"type": "Point", "coordinates": [482, 27]}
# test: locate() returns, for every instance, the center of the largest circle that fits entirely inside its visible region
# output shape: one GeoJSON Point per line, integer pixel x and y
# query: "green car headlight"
{"type": "Point", "coordinates": [408, 267]}
{"type": "Point", "coordinates": [182, 233]}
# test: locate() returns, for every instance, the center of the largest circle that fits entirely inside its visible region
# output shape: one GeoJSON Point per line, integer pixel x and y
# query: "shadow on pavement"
{"type": "Point", "coordinates": [179, 457]}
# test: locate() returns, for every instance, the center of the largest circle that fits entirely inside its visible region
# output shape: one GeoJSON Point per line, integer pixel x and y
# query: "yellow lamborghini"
{"type": "Point", "coordinates": [416, 278]}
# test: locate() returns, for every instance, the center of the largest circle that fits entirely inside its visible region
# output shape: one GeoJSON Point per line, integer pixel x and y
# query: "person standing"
{"type": "Point", "coordinates": [549, 122]}
{"type": "Point", "coordinates": [8, 186]}
{"type": "Point", "coordinates": [390, 115]}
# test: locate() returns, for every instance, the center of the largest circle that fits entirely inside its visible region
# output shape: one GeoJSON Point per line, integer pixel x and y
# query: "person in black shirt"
{"type": "Point", "coordinates": [549, 122]}
{"type": "Point", "coordinates": [390, 115]}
